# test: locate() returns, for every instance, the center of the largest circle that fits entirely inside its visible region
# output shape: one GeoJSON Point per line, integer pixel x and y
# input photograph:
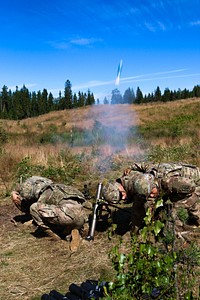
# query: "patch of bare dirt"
{"type": "Point", "coordinates": [7, 212]}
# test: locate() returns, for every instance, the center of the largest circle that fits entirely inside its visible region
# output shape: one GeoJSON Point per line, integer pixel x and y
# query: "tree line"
{"type": "Point", "coordinates": [22, 104]}
{"type": "Point", "coordinates": [131, 97]}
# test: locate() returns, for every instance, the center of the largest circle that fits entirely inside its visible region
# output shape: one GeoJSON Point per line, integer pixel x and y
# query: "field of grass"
{"type": "Point", "coordinates": [82, 146]}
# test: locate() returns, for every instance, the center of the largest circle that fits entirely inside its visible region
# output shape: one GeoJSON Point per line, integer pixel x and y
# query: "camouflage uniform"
{"type": "Point", "coordinates": [53, 204]}
{"type": "Point", "coordinates": [178, 182]}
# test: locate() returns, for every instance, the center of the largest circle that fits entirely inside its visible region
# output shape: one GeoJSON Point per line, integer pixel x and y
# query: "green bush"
{"type": "Point", "coordinates": [25, 169]}
{"type": "Point", "coordinates": [64, 169]}
{"type": "Point", "coordinates": [148, 270]}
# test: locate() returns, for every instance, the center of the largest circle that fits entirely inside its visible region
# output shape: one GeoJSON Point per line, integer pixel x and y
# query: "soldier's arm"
{"type": "Point", "coordinates": [16, 198]}
{"type": "Point", "coordinates": [21, 203]}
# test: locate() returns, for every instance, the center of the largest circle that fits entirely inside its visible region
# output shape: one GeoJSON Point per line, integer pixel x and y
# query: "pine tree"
{"type": "Point", "coordinates": [34, 105]}
{"type": "Point", "coordinates": [105, 101]}
{"type": "Point", "coordinates": [50, 102]}
{"type": "Point", "coordinates": [89, 100]}
{"type": "Point", "coordinates": [4, 105]}
{"type": "Point", "coordinates": [68, 95]}
{"type": "Point", "coordinates": [129, 96]}
{"type": "Point", "coordinates": [81, 99]}
{"type": "Point", "coordinates": [157, 94]}
{"type": "Point", "coordinates": [166, 95]}
{"type": "Point", "coordinates": [139, 96]}
{"type": "Point", "coordinates": [196, 91]}
{"type": "Point", "coordinates": [75, 101]}
{"type": "Point", "coordinates": [116, 97]}
{"type": "Point", "coordinates": [25, 102]}
{"type": "Point", "coordinates": [44, 102]}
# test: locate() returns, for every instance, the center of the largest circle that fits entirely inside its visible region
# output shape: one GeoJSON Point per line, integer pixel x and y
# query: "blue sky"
{"type": "Point", "coordinates": [44, 43]}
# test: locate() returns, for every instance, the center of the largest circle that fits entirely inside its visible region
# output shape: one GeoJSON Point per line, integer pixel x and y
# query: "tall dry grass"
{"type": "Point", "coordinates": [25, 136]}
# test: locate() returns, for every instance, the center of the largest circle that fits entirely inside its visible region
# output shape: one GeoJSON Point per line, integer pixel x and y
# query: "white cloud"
{"type": "Point", "coordinates": [161, 26]}
{"type": "Point", "coordinates": [92, 84]}
{"type": "Point", "coordinates": [196, 23]}
{"type": "Point", "coordinates": [150, 27]}
{"type": "Point", "coordinates": [64, 44]}
{"type": "Point", "coordinates": [160, 78]}
{"type": "Point", "coordinates": [85, 41]}
{"type": "Point", "coordinates": [59, 45]}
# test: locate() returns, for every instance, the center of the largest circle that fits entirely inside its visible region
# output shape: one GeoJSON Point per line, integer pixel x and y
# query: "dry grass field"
{"type": "Point", "coordinates": [82, 146]}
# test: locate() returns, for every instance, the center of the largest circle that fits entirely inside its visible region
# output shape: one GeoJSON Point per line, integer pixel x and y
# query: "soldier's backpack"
{"type": "Point", "coordinates": [62, 192]}
{"type": "Point", "coordinates": [178, 178]}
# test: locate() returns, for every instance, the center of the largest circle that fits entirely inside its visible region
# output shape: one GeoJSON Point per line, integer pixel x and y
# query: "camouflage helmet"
{"type": "Point", "coordinates": [32, 186]}
{"type": "Point", "coordinates": [143, 184]}
{"type": "Point", "coordinates": [110, 192]}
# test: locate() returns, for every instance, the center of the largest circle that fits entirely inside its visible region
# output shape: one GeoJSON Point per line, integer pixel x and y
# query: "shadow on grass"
{"type": "Point", "coordinates": [120, 217]}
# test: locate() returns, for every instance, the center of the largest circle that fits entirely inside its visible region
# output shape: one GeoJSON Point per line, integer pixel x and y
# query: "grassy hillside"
{"type": "Point", "coordinates": [101, 135]}
{"type": "Point", "coordinates": [79, 147]}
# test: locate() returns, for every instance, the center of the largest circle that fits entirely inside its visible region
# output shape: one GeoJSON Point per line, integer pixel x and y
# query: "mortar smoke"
{"type": "Point", "coordinates": [119, 128]}
{"type": "Point", "coordinates": [107, 129]}
{"type": "Point", "coordinates": [121, 142]}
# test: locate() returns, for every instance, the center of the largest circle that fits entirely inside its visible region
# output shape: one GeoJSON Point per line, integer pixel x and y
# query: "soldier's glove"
{"type": "Point", "coordinates": [127, 171]}
{"type": "Point", "coordinates": [143, 168]}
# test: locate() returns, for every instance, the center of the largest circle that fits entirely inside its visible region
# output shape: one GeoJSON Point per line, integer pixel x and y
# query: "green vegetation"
{"type": "Point", "coordinates": [172, 153]}
{"type": "Point", "coordinates": [131, 97]}
{"type": "Point", "coordinates": [22, 104]}
{"type": "Point", "coordinates": [175, 127]}
{"type": "Point", "coordinates": [150, 271]}
{"type": "Point", "coordinates": [64, 172]}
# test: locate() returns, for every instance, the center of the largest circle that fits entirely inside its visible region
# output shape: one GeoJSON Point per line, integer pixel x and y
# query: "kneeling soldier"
{"type": "Point", "coordinates": [54, 207]}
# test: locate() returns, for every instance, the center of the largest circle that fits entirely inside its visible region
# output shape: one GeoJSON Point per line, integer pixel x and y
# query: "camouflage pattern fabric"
{"type": "Point", "coordinates": [51, 203]}
{"type": "Point", "coordinates": [30, 190]}
{"type": "Point", "coordinates": [111, 192]}
{"type": "Point", "coordinates": [176, 181]}
{"type": "Point", "coordinates": [176, 169]}
{"type": "Point", "coordinates": [59, 204]}
{"type": "Point", "coordinates": [168, 170]}
{"type": "Point", "coordinates": [137, 183]}
{"type": "Point", "coordinates": [58, 193]}
{"type": "Point", "coordinates": [70, 215]}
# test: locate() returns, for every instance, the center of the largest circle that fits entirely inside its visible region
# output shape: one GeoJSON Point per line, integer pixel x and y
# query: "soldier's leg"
{"type": "Point", "coordinates": [72, 214]}
{"type": "Point", "coordinates": [192, 204]}
{"type": "Point", "coordinates": [191, 230]}
{"type": "Point", "coordinates": [44, 215]}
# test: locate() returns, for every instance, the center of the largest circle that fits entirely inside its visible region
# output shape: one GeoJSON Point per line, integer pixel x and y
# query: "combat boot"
{"type": "Point", "coordinates": [49, 233]}
{"type": "Point", "coordinates": [28, 223]}
{"type": "Point", "coordinates": [75, 240]}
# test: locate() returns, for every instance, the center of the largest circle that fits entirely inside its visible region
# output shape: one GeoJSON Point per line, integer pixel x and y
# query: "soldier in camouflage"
{"type": "Point", "coordinates": [179, 182]}
{"type": "Point", "coordinates": [52, 206]}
